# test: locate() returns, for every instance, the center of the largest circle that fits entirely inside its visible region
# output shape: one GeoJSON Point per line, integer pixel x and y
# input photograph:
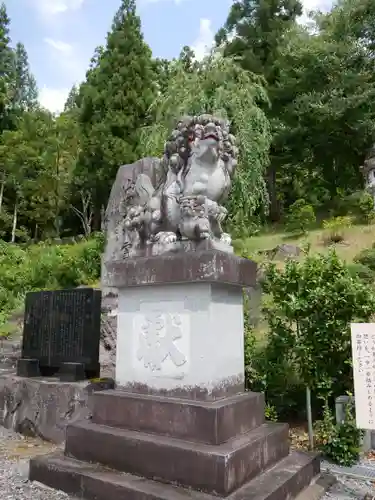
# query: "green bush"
{"type": "Point", "coordinates": [312, 305]}
{"type": "Point", "coordinates": [276, 376]}
{"type": "Point", "coordinates": [359, 204]}
{"type": "Point", "coordinates": [362, 272]}
{"type": "Point", "coordinates": [335, 229]}
{"type": "Point", "coordinates": [366, 258]}
{"type": "Point", "coordinates": [47, 267]}
{"type": "Point", "coordinates": [366, 207]}
{"type": "Point", "coordinates": [300, 217]}
{"type": "Point", "coordinates": [338, 442]}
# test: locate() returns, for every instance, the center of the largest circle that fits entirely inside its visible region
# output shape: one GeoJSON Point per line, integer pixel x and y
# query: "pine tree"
{"type": "Point", "coordinates": [6, 67]}
{"type": "Point", "coordinates": [114, 102]}
{"type": "Point", "coordinates": [71, 101]}
{"type": "Point", "coordinates": [25, 95]}
{"type": "Point", "coordinates": [254, 30]}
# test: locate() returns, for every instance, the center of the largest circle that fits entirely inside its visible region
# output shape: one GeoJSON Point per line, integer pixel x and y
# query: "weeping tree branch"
{"type": "Point", "coordinates": [86, 214]}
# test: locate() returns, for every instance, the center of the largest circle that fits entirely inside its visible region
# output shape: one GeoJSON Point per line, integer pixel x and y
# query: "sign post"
{"type": "Point", "coordinates": [363, 349]}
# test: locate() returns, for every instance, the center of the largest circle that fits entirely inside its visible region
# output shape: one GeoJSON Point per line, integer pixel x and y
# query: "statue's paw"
{"type": "Point", "coordinates": [226, 239]}
{"type": "Point", "coordinates": [156, 216]}
{"type": "Point", "coordinates": [205, 235]}
{"type": "Point", "coordinates": [166, 237]}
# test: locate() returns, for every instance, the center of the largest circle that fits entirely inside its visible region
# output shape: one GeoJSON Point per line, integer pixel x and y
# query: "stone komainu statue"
{"type": "Point", "coordinates": [174, 203]}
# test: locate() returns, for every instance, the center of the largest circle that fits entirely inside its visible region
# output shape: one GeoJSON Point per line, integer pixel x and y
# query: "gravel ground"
{"type": "Point", "coordinates": [16, 450]}
{"type": "Point", "coordinates": [348, 489]}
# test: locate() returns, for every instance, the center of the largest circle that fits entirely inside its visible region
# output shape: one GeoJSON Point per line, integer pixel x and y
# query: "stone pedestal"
{"type": "Point", "coordinates": [179, 425]}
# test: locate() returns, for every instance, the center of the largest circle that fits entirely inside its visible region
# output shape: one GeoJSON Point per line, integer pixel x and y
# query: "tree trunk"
{"type": "Point", "coordinates": [14, 227]}
{"type": "Point", "coordinates": [2, 185]}
{"type": "Point", "coordinates": [274, 204]}
{"type": "Point", "coordinates": [86, 214]}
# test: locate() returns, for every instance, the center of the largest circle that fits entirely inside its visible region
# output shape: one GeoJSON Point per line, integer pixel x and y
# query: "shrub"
{"type": "Point", "coordinates": [366, 207]}
{"type": "Point", "coordinates": [276, 376]}
{"type": "Point", "coordinates": [300, 217]}
{"type": "Point", "coordinates": [335, 229]}
{"type": "Point", "coordinates": [270, 413]}
{"type": "Point", "coordinates": [338, 442]}
{"type": "Point", "coordinates": [361, 271]}
{"type": "Point", "coordinates": [359, 204]}
{"type": "Point", "coordinates": [366, 258]}
{"type": "Point", "coordinates": [313, 303]}
{"type": "Point", "coordinates": [45, 267]}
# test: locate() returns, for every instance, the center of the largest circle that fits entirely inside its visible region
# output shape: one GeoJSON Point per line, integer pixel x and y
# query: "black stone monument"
{"type": "Point", "coordinates": [61, 334]}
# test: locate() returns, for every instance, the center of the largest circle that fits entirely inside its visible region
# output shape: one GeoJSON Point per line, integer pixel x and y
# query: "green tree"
{"type": "Point", "coordinates": [253, 33]}
{"type": "Point", "coordinates": [6, 68]}
{"type": "Point", "coordinates": [221, 87]}
{"type": "Point", "coordinates": [254, 30]}
{"type": "Point", "coordinates": [114, 103]}
{"type": "Point", "coordinates": [72, 100]}
{"type": "Point", "coordinates": [25, 93]}
{"type": "Point", "coordinates": [323, 116]}
{"type": "Point", "coordinates": [187, 59]}
{"type": "Point", "coordinates": [163, 70]}
{"type": "Point", "coordinates": [311, 306]}
{"type": "Point", "coordinates": [38, 157]}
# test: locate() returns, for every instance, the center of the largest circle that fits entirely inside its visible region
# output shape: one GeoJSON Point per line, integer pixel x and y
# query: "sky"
{"type": "Point", "coordinates": [60, 36]}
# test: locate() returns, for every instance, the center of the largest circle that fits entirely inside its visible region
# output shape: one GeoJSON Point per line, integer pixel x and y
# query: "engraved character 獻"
{"type": "Point", "coordinates": [156, 341]}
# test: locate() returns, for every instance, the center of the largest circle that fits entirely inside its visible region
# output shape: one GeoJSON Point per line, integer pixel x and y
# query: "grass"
{"type": "Point", "coordinates": [356, 239]}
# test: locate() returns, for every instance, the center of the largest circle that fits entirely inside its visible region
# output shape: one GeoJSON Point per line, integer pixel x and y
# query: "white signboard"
{"type": "Point", "coordinates": [363, 349]}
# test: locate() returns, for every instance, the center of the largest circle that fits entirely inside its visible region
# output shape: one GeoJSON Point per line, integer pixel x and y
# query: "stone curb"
{"type": "Point", "coordinates": [318, 488]}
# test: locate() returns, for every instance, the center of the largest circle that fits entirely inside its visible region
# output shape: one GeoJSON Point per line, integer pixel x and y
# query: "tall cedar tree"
{"type": "Point", "coordinates": [254, 29]}
{"type": "Point", "coordinates": [6, 68]}
{"type": "Point", "coordinates": [25, 95]}
{"type": "Point", "coordinates": [114, 103]}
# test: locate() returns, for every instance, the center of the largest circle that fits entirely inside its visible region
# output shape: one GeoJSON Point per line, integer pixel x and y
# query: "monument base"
{"type": "Point", "coordinates": [43, 407]}
{"type": "Point", "coordinates": [28, 368]}
{"type": "Point", "coordinates": [162, 448]}
{"type": "Point", "coordinates": [72, 372]}
{"type": "Point", "coordinates": [66, 372]}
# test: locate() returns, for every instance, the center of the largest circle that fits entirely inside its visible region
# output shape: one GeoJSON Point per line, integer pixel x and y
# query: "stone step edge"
{"type": "Point", "coordinates": [92, 481]}
{"type": "Point", "coordinates": [235, 443]}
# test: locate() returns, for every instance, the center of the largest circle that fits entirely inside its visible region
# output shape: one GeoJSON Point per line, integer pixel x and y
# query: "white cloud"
{"type": "Point", "coordinates": [66, 58]}
{"type": "Point", "coordinates": [59, 45]}
{"type": "Point", "coordinates": [53, 7]}
{"type": "Point", "coordinates": [204, 42]}
{"type": "Point", "coordinates": [53, 99]}
{"type": "Point", "coordinates": [310, 5]}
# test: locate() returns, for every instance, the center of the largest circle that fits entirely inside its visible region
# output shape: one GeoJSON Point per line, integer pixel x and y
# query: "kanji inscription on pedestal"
{"type": "Point", "coordinates": [161, 343]}
{"type": "Point", "coordinates": [363, 349]}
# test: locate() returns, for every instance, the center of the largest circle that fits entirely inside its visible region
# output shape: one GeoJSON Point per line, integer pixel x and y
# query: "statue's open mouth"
{"type": "Point", "coordinates": [211, 135]}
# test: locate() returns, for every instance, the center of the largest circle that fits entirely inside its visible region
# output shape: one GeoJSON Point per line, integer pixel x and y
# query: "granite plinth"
{"type": "Point", "coordinates": [217, 469]}
{"type": "Point", "coordinates": [138, 455]}
{"type": "Point", "coordinates": [199, 421]}
{"type": "Point", "coordinates": [283, 481]}
{"type": "Point", "coordinates": [210, 266]}
{"type": "Point", "coordinates": [182, 340]}
{"type": "Point", "coordinates": [179, 424]}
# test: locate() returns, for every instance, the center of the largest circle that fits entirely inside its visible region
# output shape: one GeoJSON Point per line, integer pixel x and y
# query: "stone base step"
{"type": "Point", "coordinates": [86, 481]}
{"type": "Point", "coordinates": [218, 469]}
